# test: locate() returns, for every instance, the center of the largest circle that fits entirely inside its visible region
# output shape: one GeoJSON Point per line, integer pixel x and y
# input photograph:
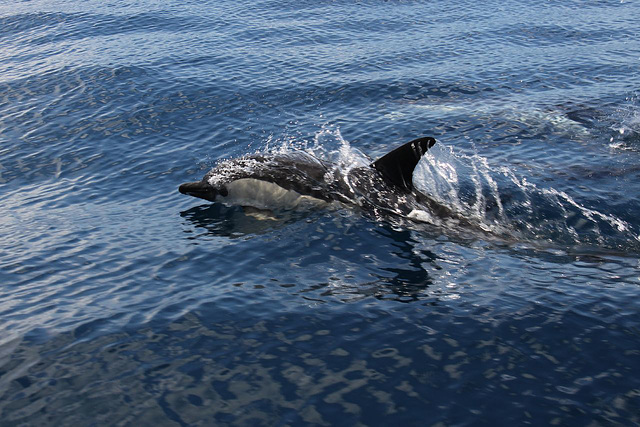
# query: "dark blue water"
{"type": "Point", "coordinates": [124, 302]}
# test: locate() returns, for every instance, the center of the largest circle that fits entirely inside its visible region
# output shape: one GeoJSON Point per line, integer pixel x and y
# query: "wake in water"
{"type": "Point", "coordinates": [503, 203]}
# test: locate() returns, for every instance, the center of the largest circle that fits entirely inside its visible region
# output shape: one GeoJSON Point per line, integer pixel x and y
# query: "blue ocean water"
{"type": "Point", "coordinates": [124, 302]}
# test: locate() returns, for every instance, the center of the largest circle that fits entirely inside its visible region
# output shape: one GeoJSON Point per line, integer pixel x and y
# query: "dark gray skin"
{"type": "Point", "coordinates": [384, 187]}
{"type": "Point", "coordinates": [299, 172]}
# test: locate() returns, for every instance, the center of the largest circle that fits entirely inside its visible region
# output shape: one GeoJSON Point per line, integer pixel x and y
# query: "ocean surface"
{"type": "Point", "coordinates": [124, 302]}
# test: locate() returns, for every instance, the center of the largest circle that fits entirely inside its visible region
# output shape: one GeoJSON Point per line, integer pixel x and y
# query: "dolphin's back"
{"type": "Point", "coordinates": [296, 171]}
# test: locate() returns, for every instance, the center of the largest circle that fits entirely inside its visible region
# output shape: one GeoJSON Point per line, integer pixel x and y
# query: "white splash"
{"type": "Point", "coordinates": [471, 187]}
{"type": "Point", "coordinates": [627, 126]}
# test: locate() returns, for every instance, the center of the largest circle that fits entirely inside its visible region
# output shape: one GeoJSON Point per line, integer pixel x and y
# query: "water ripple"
{"type": "Point", "coordinates": [123, 301]}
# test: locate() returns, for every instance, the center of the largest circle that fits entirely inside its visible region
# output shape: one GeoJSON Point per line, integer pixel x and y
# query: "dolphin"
{"type": "Point", "coordinates": [298, 179]}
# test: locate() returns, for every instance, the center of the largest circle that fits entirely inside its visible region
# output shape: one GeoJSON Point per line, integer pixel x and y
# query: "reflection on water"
{"type": "Point", "coordinates": [401, 284]}
{"type": "Point", "coordinates": [219, 220]}
{"type": "Point", "coordinates": [214, 365]}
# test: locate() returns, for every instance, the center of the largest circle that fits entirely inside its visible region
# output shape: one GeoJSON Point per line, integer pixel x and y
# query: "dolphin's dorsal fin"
{"type": "Point", "coordinates": [397, 166]}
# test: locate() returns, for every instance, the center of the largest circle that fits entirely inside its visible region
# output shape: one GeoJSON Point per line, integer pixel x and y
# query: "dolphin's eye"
{"type": "Point", "coordinates": [223, 191]}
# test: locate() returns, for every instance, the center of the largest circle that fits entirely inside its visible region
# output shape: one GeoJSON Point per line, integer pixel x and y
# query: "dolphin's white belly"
{"type": "Point", "coordinates": [267, 195]}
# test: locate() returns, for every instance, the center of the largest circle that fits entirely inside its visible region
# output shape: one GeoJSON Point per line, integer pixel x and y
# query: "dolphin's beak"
{"type": "Point", "coordinates": [200, 189]}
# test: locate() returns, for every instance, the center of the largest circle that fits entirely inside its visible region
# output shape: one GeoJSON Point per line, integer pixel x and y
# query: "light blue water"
{"type": "Point", "coordinates": [124, 302]}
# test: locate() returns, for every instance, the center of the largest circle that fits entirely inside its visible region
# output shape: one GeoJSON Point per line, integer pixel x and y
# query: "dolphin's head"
{"type": "Point", "coordinates": [213, 187]}
{"type": "Point", "coordinates": [203, 190]}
